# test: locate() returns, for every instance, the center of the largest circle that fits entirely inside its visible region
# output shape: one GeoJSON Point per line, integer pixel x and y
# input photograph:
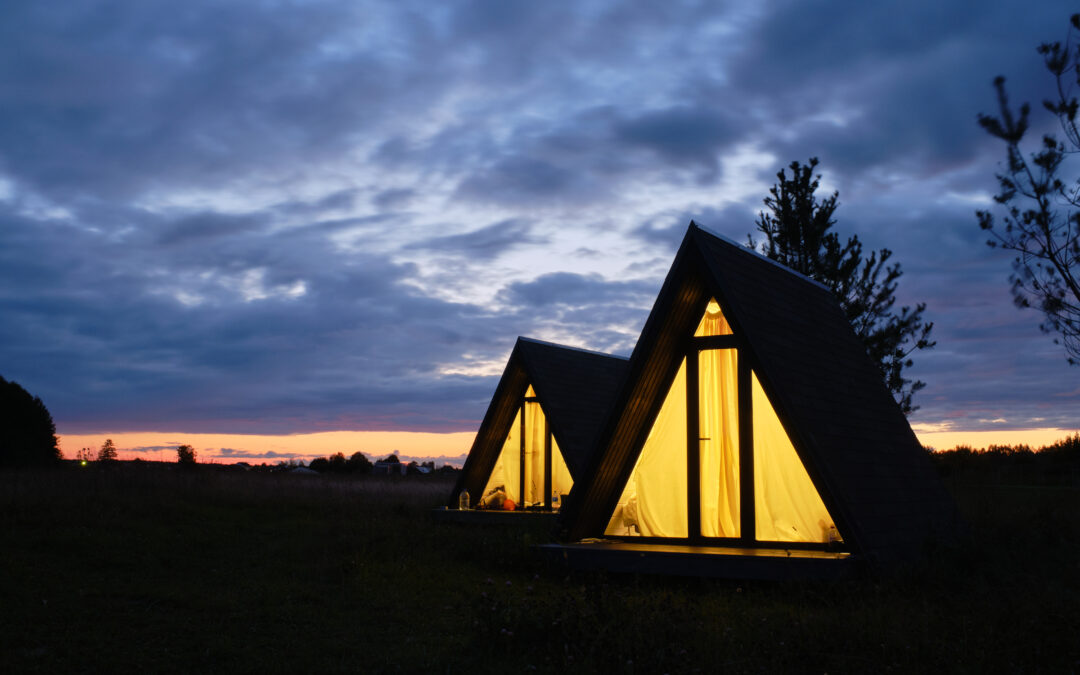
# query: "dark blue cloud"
{"type": "Point", "coordinates": [393, 198]}
{"type": "Point", "coordinates": [567, 288]}
{"type": "Point", "coordinates": [522, 180]}
{"type": "Point", "coordinates": [679, 134]}
{"type": "Point", "coordinates": [209, 226]}
{"type": "Point", "coordinates": [293, 217]}
{"type": "Point", "coordinates": [484, 244]}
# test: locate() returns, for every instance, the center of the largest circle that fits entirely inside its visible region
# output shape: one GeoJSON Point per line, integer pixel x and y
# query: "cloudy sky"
{"type": "Point", "coordinates": [274, 217]}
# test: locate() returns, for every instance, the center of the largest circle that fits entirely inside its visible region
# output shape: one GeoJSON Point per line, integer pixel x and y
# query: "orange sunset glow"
{"type": "Point", "coordinates": [943, 439]}
{"type": "Point", "coordinates": [449, 448]}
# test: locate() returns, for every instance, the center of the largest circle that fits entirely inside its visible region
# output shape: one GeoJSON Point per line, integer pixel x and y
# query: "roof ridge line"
{"type": "Point", "coordinates": [758, 254]}
{"type": "Point", "coordinates": [575, 349]}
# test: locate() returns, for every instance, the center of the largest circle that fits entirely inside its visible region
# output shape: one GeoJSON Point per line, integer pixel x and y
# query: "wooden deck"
{"type": "Point", "coordinates": [704, 561]}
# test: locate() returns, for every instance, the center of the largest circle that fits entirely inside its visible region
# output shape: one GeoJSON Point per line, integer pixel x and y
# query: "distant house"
{"type": "Point", "coordinates": [384, 468]}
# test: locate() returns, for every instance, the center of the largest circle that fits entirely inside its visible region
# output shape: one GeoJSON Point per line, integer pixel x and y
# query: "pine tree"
{"type": "Point", "coordinates": [107, 452]}
{"type": "Point", "coordinates": [797, 228]}
{"type": "Point", "coordinates": [1041, 219]}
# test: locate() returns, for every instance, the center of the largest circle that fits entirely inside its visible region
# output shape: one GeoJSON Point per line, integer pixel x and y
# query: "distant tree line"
{"type": "Point", "coordinates": [337, 463]}
{"type": "Point", "coordinates": [358, 463]}
{"type": "Point", "coordinates": [1054, 464]}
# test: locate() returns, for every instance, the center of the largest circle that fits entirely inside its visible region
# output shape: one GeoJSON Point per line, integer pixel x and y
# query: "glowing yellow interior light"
{"type": "Point", "coordinates": [535, 432]}
{"type": "Point", "coordinates": [561, 481]}
{"type": "Point", "coordinates": [506, 476]}
{"type": "Point", "coordinates": [653, 502]}
{"type": "Point", "coordinates": [718, 413]}
{"type": "Point", "coordinates": [787, 506]}
{"type": "Point", "coordinates": [712, 322]}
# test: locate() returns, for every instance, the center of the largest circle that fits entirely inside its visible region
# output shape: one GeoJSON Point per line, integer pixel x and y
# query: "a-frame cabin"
{"type": "Point", "coordinates": [540, 428]}
{"type": "Point", "coordinates": [753, 437]}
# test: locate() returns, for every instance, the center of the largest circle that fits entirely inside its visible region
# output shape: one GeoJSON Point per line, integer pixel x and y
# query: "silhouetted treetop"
{"type": "Point", "coordinates": [185, 454]}
{"type": "Point", "coordinates": [27, 432]}
{"type": "Point", "coordinates": [1041, 219]}
{"type": "Point", "coordinates": [107, 453]}
{"type": "Point", "coordinates": [796, 225]}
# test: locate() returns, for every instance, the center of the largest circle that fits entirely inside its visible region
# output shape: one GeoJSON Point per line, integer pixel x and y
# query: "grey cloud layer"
{"type": "Point", "coordinates": [274, 217]}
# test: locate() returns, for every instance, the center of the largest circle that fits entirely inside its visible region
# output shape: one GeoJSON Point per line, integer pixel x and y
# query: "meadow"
{"type": "Point", "coordinates": [155, 569]}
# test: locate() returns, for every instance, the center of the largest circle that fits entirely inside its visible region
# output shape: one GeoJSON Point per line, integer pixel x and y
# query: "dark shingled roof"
{"type": "Point", "coordinates": [865, 461]}
{"type": "Point", "coordinates": [575, 389]}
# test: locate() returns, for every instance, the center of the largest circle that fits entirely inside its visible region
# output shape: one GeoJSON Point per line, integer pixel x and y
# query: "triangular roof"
{"type": "Point", "coordinates": [575, 388]}
{"type": "Point", "coordinates": [861, 454]}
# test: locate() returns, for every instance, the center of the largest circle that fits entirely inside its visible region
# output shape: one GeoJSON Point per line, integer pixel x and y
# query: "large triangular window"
{"type": "Point", "coordinates": [653, 503]}
{"type": "Point", "coordinates": [530, 471]}
{"type": "Point", "coordinates": [718, 465]}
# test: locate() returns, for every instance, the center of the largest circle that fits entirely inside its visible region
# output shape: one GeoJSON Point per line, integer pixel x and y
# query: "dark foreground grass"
{"type": "Point", "coordinates": [156, 570]}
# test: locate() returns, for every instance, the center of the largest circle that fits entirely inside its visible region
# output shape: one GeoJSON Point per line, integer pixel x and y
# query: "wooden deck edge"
{"type": "Point", "coordinates": [719, 564]}
{"type": "Point", "coordinates": [477, 517]}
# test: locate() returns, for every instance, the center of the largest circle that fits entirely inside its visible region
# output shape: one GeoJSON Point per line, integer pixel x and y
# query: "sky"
{"type": "Point", "coordinates": [277, 219]}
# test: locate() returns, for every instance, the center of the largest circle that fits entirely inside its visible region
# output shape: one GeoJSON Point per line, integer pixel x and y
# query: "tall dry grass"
{"type": "Point", "coordinates": [158, 570]}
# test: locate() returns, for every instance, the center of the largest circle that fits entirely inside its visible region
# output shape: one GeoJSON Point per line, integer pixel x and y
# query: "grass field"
{"type": "Point", "coordinates": [151, 569]}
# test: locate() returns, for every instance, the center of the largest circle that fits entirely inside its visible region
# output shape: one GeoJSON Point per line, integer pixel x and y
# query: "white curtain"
{"type": "Point", "coordinates": [507, 469]}
{"type": "Point", "coordinates": [653, 503]}
{"type": "Point", "coordinates": [787, 506]}
{"type": "Point", "coordinates": [561, 481]}
{"type": "Point", "coordinates": [535, 432]}
{"type": "Point", "coordinates": [718, 413]}
{"type": "Point", "coordinates": [713, 322]}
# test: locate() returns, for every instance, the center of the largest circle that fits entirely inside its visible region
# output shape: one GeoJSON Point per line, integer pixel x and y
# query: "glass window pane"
{"type": "Point", "coordinates": [535, 432]}
{"type": "Point", "coordinates": [718, 413]}
{"type": "Point", "coordinates": [653, 503]}
{"type": "Point", "coordinates": [713, 322]}
{"type": "Point", "coordinates": [504, 480]}
{"type": "Point", "coordinates": [561, 481]}
{"type": "Point", "coordinates": [787, 506]}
